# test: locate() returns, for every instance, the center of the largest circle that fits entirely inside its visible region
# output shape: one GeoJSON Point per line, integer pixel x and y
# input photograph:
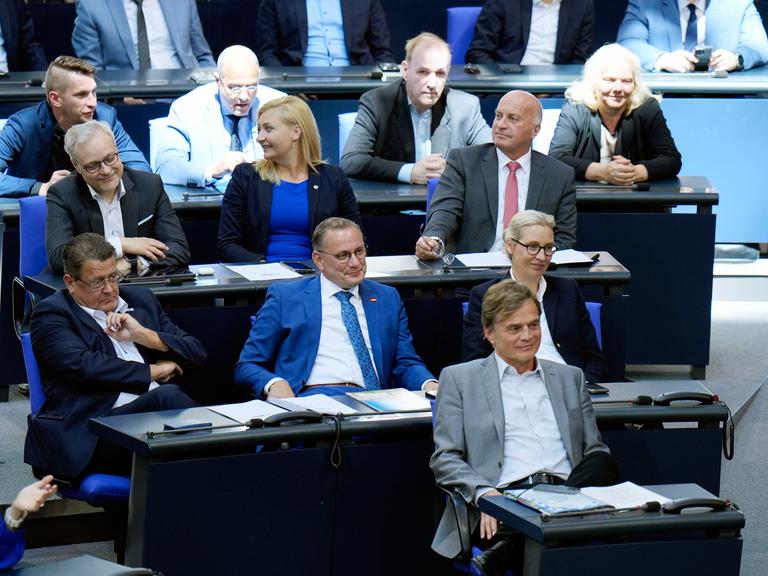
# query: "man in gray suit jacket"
{"type": "Point", "coordinates": [404, 129]}
{"type": "Point", "coordinates": [130, 208]}
{"type": "Point", "coordinates": [511, 420]}
{"type": "Point", "coordinates": [469, 210]}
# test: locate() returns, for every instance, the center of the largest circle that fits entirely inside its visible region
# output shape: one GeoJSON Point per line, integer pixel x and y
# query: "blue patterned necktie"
{"type": "Point", "coordinates": [351, 323]}
{"type": "Point", "coordinates": [691, 32]}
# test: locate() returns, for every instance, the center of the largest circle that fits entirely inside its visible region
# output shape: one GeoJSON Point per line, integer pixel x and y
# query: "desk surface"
{"type": "Point", "coordinates": [530, 523]}
{"type": "Point", "coordinates": [351, 81]}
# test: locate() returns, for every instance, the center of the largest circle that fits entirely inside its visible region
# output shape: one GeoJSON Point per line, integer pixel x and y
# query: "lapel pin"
{"type": "Point", "coordinates": [315, 186]}
{"type": "Point", "coordinates": [372, 299]}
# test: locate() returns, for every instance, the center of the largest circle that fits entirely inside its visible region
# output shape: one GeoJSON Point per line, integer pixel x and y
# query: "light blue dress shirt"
{"type": "Point", "coordinates": [422, 139]}
{"type": "Point", "coordinates": [325, 34]}
{"type": "Point", "coordinates": [3, 54]}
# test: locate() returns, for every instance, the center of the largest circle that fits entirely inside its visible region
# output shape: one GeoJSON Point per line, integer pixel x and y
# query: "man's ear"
{"type": "Point", "coordinates": [317, 260]}
{"type": "Point", "coordinates": [488, 333]}
{"type": "Point", "coordinates": [54, 100]}
{"type": "Point", "coordinates": [69, 282]}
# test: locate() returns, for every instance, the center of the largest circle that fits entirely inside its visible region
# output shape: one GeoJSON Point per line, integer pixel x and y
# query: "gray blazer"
{"type": "Point", "coordinates": [381, 140]}
{"type": "Point", "coordinates": [465, 205]}
{"type": "Point", "coordinates": [469, 431]}
{"type": "Point", "coordinates": [147, 212]}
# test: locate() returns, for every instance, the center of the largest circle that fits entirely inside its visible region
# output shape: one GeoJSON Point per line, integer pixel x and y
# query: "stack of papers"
{"type": "Point", "coordinates": [382, 266]}
{"type": "Point", "coordinates": [245, 411]}
{"type": "Point", "coordinates": [271, 271]}
{"type": "Point", "coordinates": [319, 403]}
{"type": "Point", "coordinates": [393, 400]}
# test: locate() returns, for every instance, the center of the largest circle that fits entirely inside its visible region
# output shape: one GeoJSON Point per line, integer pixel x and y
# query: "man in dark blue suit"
{"type": "Point", "coordinates": [100, 354]}
{"type": "Point", "coordinates": [19, 45]}
{"type": "Point", "coordinates": [533, 32]}
{"type": "Point", "coordinates": [334, 333]}
{"type": "Point", "coordinates": [346, 32]}
{"type": "Point", "coordinates": [32, 155]}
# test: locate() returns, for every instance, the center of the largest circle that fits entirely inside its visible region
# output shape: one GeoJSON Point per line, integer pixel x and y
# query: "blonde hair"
{"type": "Point", "coordinates": [57, 75]}
{"type": "Point", "coordinates": [525, 219]}
{"type": "Point", "coordinates": [425, 38]}
{"type": "Point", "coordinates": [293, 112]}
{"type": "Point", "coordinates": [583, 91]}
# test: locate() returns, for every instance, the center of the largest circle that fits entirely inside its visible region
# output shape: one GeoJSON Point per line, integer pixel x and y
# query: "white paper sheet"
{"type": "Point", "coordinates": [624, 495]}
{"type": "Point", "coordinates": [570, 256]}
{"type": "Point", "coordinates": [271, 271]}
{"type": "Point", "coordinates": [483, 259]}
{"type": "Point", "coordinates": [245, 411]}
{"type": "Point", "coordinates": [321, 404]}
{"type": "Point", "coordinates": [381, 266]}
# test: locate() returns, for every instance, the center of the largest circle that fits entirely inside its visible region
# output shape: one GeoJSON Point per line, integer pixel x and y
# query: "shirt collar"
{"type": "Point", "coordinates": [412, 107]}
{"type": "Point", "coordinates": [96, 196]}
{"type": "Point", "coordinates": [502, 366]}
{"type": "Point", "coordinates": [100, 316]}
{"type": "Point", "coordinates": [553, 3]}
{"type": "Point", "coordinates": [524, 160]}
{"type": "Point", "coordinates": [542, 285]}
{"type": "Point", "coordinates": [328, 288]}
{"type": "Point", "coordinates": [682, 4]}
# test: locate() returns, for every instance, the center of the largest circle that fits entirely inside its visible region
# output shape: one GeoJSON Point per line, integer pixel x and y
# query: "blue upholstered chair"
{"type": "Point", "coordinates": [461, 27]}
{"type": "Point", "coordinates": [595, 314]}
{"type": "Point", "coordinates": [32, 255]}
{"type": "Point", "coordinates": [346, 121]}
{"type": "Point", "coordinates": [95, 489]}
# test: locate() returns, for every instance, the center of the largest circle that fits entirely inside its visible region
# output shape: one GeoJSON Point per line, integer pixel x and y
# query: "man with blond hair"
{"type": "Point", "coordinates": [404, 130]}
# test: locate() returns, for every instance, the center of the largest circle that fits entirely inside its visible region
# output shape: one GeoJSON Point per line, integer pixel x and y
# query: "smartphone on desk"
{"type": "Point", "coordinates": [299, 266]}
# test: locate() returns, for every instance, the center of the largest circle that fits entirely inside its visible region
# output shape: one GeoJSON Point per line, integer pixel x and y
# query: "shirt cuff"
{"type": "Point", "coordinates": [144, 265]}
{"type": "Point", "coordinates": [208, 176]}
{"type": "Point", "coordinates": [480, 491]}
{"type": "Point", "coordinates": [424, 385]}
{"type": "Point", "coordinates": [405, 173]}
{"type": "Point", "coordinates": [35, 190]}
{"type": "Point", "coordinates": [117, 244]}
{"type": "Point", "coordinates": [268, 385]}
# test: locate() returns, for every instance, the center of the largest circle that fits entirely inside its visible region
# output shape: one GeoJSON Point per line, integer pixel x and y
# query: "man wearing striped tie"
{"type": "Point", "coordinates": [332, 333]}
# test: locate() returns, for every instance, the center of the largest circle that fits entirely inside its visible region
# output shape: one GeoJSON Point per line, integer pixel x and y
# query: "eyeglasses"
{"type": "Point", "coordinates": [344, 257]}
{"type": "Point", "coordinates": [98, 285]}
{"type": "Point", "coordinates": [534, 249]}
{"type": "Point", "coordinates": [235, 90]}
{"type": "Point", "coordinates": [108, 160]}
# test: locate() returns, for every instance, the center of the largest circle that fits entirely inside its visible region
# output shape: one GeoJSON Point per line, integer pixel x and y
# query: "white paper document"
{"type": "Point", "coordinates": [624, 495]}
{"type": "Point", "coordinates": [319, 403]}
{"type": "Point", "coordinates": [483, 259]}
{"type": "Point", "coordinates": [392, 400]}
{"type": "Point", "coordinates": [245, 411]}
{"type": "Point", "coordinates": [271, 271]}
{"type": "Point", "coordinates": [570, 256]}
{"type": "Point", "coordinates": [382, 266]}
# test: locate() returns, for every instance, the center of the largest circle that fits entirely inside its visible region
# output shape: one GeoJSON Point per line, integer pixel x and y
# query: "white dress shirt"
{"type": "Point", "coordinates": [701, 19]}
{"type": "Point", "coordinates": [523, 177]}
{"type": "Point", "coordinates": [542, 38]}
{"type": "Point", "coordinates": [125, 350]}
{"type": "Point", "coordinates": [162, 54]}
{"type": "Point", "coordinates": [422, 139]}
{"type": "Point", "coordinates": [112, 215]}
{"type": "Point", "coordinates": [547, 348]}
{"type": "Point", "coordinates": [532, 440]}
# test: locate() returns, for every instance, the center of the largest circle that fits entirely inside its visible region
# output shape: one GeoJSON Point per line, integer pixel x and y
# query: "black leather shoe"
{"type": "Point", "coordinates": [495, 561]}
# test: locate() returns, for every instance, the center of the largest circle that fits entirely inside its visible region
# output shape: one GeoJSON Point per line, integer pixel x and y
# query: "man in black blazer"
{"type": "Point", "coordinates": [469, 208]}
{"type": "Point", "coordinates": [533, 32]}
{"type": "Point", "coordinates": [129, 207]}
{"type": "Point", "coordinates": [283, 33]}
{"type": "Point", "coordinates": [22, 51]}
{"type": "Point", "coordinates": [101, 351]}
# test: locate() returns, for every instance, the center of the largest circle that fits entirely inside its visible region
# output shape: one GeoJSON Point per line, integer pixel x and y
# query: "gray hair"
{"type": "Point", "coordinates": [526, 219]}
{"type": "Point", "coordinates": [327, 225]}
{"type": "Point", "coordinates": [84, 247]}
{"type": "Point", "coordinates": [81, 133]}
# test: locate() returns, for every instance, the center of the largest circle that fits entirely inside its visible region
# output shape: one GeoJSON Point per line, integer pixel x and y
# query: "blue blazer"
{"type": "Point", "coordinates": [22, 50]}
{"type": "Point", "coordinates": [568, 320]}
{"type": "Point", "coordinates": [651, 27]}
{"type": "Point", "coordinates": [82, 375]}
{"type": "Point", "coordinates": [247, 207]}
{"type": "Point", "coordinates": [504, 26]}
{"type": "Point", "coordinates": [11, 546]}
{"type": "Point", "coordinates": [102, 36]}
{"type": "Point", "coordinates": [285, 336]}
{"type": "Point", "coordinates": [26, 141]}
{"type": "Point", "coordinates": [282, 30]}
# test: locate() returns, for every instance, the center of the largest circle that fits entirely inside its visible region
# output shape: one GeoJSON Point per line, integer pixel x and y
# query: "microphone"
{"type": "Point", "coordinates": [641, 400]}
{"type": "Point", "coordinates": [31, 83]}
{"type": "Point", "coordinates": [373, 75]}
{"type": "Point", "coordinates": [252, 423]}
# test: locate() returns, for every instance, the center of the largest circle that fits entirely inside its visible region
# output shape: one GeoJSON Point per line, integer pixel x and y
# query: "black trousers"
{"type": "Point", "coordinates": [110, 459]}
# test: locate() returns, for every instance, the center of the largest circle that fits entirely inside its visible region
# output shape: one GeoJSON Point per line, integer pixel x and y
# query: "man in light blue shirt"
{"type": "Point", "coordinates": [212, 129]}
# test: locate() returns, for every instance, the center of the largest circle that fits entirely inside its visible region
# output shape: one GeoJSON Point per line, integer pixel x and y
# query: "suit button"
{"type": "Point", "coordinates": [499, 464]}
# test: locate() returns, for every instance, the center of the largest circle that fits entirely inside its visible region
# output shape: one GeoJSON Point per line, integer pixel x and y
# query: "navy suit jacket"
{"type": "Point", "coordinates": [568, 320]}
{"type": "Point", "coordinates": [146, 210]}
{"type": "Point", "coordinates": [285, 336]}
{"type": "Point", "coordinates": [21, 48]}
{"type": "Point", "coordinates": [101, 34]}
{"type": "Point", "coordinates": [26, 142]}
{"type": "Point", "coordinates": [282, 31]}
{"type": "Point", "coordinates": [82, 375]}
{"type": "Point", "coordinates": [504, 26]}
{"type": "Point", "coordinates": [247, 207]}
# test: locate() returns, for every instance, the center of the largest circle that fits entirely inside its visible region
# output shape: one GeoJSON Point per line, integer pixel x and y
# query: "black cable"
{"type": "Point", "coordinates": [729, 435]}
{"type": "Point", "coordinates": [335, 454]}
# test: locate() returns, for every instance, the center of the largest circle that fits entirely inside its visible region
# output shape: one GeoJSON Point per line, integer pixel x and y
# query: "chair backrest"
{"type": "Point", "coordinates": [36, 394]}
{"type": "Point", "coordinates": [431, 187]}
{"type": "Point", "coordinates": [2, 122]}
{"type": "Point", "coordinates": [461, 26]}
{"type": "Point", "coordinates": [548, 125]}
{"type": "Point", "coordinates": [156, 126]}
{"type": "Point", "coordinates": [346, 121]}
{"type": "Point", "coordinates": [32, 255]}
{"type": "Point", "coordinates": [595, 312]}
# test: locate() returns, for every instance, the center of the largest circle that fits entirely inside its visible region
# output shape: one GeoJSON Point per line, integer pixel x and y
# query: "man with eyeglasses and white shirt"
{"type": "Point", "coordinates": [212, 129]}
{"type": "Point", "coordinates": [128, 207]}
{"type": "Point", "coordinates": [333, 333]}
{"type": "Point", "coordinates": [102, 351]}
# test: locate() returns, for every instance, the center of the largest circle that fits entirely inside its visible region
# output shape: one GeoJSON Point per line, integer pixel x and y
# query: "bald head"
{"type": "Point", "coordinates": [516, 123]}
{"type": "Point", "coordinates": [237, 76]}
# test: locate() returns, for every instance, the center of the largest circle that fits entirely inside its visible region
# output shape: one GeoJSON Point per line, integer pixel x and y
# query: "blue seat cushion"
{"type": "Point", "coordinates": [99, 489]}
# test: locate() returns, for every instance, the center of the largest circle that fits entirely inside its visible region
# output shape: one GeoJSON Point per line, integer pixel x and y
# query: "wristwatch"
{"type": "Point", "coordinates": [134, 262]}
{"type": "Point", "coordinates": [741, 61]}
{"type": "Point", "coordinates": [13, 523]}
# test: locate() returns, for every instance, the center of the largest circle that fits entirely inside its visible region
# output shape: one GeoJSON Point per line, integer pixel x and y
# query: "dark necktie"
{"type": "Point", "coordinates": [141, 32]}
{"type": "Point", "coordinates": [691, 32]}
{"type": "Point", "coordinates": [351, 323]}
{"type": "Point", "coordinates": [235, 144]}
